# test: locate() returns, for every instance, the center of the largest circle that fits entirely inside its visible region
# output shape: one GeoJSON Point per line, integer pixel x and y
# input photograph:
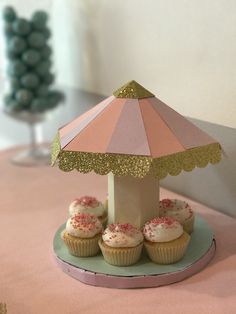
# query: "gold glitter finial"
{"type": "Point", "coordinates": [132, 89]}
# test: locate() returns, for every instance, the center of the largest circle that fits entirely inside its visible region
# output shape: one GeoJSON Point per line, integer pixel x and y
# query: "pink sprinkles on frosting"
{"type": "Point", "coordinates": [119, 230]}
{"type": "Point", "coordinates": [165, 220]}
{"type": "Point", "coordinates": [122, 228]}
{"type": "Point", "coordinates": [166, 203]}
{"type": "Point", "coordinates": [87, 201]}
{"type": "Point", "coordinates": [82, 220]}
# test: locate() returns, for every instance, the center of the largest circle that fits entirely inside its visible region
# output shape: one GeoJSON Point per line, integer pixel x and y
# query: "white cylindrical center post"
{"type": "Point", "coordinates": [132, 200]}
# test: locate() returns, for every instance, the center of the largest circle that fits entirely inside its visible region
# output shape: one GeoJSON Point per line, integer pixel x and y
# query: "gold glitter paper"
{"type": "Point", "coordinates": [55, 149]}
{"type": "Point", "coordinates": [138, 166]}
{"type": "Point", "coordinates": [187, 160]}
{"type": "Point", "coordinates": [120, 165]}
{"type": "Point", "coordinates": [132, 90]}
{"type": "Point", "coordinates": [3, 308]}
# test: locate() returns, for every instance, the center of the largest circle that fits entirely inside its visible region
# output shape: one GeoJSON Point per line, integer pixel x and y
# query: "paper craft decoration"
{"type": "Point", "coordinates": [138, 140]}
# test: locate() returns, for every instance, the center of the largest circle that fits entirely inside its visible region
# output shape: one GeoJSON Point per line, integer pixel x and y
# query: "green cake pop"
{"type": "Point", "coordinates": [48, 79]}
{"type": "Point", "coordinates": [16, 68]}
{"type": "Point", "coordinates": [17, 44]}
{"type": "Point", "coordinates": [36, 40]}
{"type": "Point", "coordinates": [46, 52]}
{"type": "Point", "coordinates": [46, 32]}
{"type": "Point", "coordinates": [14, 83]}
{"type": "Point", "coordinates": [30, 80]}
{"type": "Point", "coordinates": [9, 14]}
{"type": "Point", "coordinates": [12, 104]}
{"type": "Point", "coordinates": [21, 26]}
{"type": "Point", "coordinates": [29, 66]}
{"type": "Point", "coordinates": [54, 97]}
{"type": "Point", "coordinates": [11, 55]}
{"type": "Point", "coordinates": [31, 57]}
{"type": "Point", "coordinates": [43, 68]}
{"type": "Point", "coordinates": [39, 20]}
{"type": "Point", "coordinates": [8, 29]}
{"type": "Point", "coordinates": [42, 91]}
{"type": "Point", "coordinates": [39, 104]}
{"type": "Point", "coordinates": [24, 96]}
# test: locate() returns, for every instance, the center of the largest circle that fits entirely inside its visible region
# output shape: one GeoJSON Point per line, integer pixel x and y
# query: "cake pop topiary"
{"type": "Point", "coordinates": [29, 68]}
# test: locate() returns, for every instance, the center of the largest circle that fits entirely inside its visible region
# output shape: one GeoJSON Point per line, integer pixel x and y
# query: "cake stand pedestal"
{"type": "Point", "coordinates": [95, 271]}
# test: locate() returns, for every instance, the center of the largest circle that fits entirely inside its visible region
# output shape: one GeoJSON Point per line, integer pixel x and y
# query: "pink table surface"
{"type": "Point", "coordinates": [34, 204]}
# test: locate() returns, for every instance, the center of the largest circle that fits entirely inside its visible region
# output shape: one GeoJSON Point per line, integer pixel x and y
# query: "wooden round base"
{"type": "Point", "coordinates": [95, 271]}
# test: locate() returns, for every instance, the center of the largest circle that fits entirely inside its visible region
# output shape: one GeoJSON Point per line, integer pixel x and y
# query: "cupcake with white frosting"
{"type": "Point", "coordinates": [121, 244]}
{"type": "Point", "coordinates": [82, 234]}
{"type": "Point", "coordinates": [165, 240]}
{"type": "Point", "coordinates": [180, 210]}
{"type": "Point", "coordinates": [89, 205]}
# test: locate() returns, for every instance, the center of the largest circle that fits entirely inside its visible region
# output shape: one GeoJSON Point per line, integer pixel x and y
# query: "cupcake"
{"type": "Point", "coordinates": [82, 234]}
{"type": "Point", "coordinates": [165, 240]}
{"type": "Point", "coordinates": [89, 205]}
{"type": "Point", "coordinates": [121, 244]}
{"type": "Point", "coordinates": [180, 210]}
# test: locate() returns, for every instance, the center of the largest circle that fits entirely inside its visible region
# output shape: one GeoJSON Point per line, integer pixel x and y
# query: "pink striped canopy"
{"type": "Point", "coordinates": [143, 127]}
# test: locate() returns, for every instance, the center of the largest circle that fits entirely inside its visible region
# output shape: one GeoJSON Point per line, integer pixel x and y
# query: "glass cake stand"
{"type": "Point", "coordinates": [35, 155]}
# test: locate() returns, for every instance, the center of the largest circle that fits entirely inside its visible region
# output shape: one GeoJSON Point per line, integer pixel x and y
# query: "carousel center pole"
{"type": "Point", "coordinates": [132, 200]}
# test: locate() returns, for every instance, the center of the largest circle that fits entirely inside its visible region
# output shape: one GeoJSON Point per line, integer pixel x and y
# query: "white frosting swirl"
{"type": "Point", "coordinates": [83, 226]}
{"type": "Point", "coordinates": [122, 235]}
{"type": "Point", "coordinates": [162, 229]}
{"type": "Point", "coordinates": [87, 205]}
{"type": "Point", "coordinates": [178, 209]}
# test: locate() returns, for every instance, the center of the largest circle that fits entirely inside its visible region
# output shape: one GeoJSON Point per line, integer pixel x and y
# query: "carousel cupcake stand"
{"type": "Point", "coordinates": [136, 140]}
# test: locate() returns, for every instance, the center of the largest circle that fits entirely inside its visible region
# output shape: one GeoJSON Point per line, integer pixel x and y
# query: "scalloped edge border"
{"type": "Point", "coordinates": [136, 166]}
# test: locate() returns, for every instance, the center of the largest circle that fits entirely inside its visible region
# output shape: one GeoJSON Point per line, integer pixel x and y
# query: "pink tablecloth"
{"type": "Point", "coordinates": [34, 203]}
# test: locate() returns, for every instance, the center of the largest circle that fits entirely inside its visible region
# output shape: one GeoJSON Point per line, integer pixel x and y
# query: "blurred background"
{"type": "Point", "coordinates": [183, 51]}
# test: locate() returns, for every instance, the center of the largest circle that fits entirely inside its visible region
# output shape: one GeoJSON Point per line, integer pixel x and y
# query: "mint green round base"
{"type": "Point", "coordinates": [201, 241]}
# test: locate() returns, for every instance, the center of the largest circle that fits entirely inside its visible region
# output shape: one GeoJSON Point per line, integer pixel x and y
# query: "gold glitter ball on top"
{"type": "Point", "coordinates": [132, 90]}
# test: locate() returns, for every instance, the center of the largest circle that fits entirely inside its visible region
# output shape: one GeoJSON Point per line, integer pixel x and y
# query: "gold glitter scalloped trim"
{"type": "Point", "coordinates": [139, 166]}
{"type": "Point", "coordinates": [132, 90]}
{"type": "Point", "coordinates": [3, 308]}
{"type": "Point", "coordinates": [196, 157]}
{"type": "Point", "coordinates": [55, 149]}
{"type": "Point", "coordinates": [120, 165]}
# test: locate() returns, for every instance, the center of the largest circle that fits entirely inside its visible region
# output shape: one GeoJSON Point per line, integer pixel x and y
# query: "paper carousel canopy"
{"type": "Point", "coordinates": [132, 133]}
